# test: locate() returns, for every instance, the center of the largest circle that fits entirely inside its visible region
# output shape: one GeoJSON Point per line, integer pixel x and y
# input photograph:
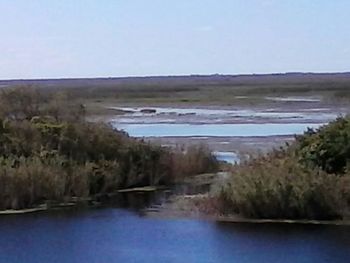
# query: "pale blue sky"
{"type": "Point", "coordinates": [105, 38]}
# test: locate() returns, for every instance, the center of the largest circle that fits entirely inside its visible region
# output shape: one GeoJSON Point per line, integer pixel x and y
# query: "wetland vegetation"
{"type": "Point", "coordinates": [237, 90]}
{"type": "Point", "coordinates": [49, 152]}
{"type": "Point", "coordinates": [308, 179]}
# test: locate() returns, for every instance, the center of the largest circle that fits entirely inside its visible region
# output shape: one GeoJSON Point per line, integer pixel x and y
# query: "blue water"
{"type": "Point", "coordinates": [219, 130]}
{"type": "Point", "coordinates": [116, 235]}
{"type": "Point", "coordinates": [229, 157]}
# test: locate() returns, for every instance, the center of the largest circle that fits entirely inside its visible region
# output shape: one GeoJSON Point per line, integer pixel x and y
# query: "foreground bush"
{"type": "Point", "coordinates": [309, 179]}
{"type": "Point", "coordinates": [327, 147]}
{"type": "Point", "coordinates": [47, 160]}
{"type": "Point", "coordinates": [48, 152]}
{"type": "Point", "coordinates": [280, 187]}
{"type": "Point", "coordinates": [195, 160]}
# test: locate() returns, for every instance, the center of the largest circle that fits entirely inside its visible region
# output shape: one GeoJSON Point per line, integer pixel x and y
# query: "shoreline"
{"type": "Point", "coordinates": [178, 214]}
{"type": "Point", "coordinates": [223, 143]}
{"type": "Point", "coordinates": [235, 219]}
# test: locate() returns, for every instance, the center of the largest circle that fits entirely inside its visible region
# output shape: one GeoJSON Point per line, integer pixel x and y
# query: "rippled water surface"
{"type": "Point", "coordinates": [116, 235]}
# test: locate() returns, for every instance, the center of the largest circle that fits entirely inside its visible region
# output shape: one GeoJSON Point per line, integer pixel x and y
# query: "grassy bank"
{"type": "Point", "coordinates": [49, 152]}
{"type": "Point", "coordinates": [309, 179]}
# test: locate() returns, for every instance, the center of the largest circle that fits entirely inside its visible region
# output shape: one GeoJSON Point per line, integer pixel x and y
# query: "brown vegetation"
{"type": "Point", "coordinates": [49, 152]}
{"type": "Point", "coordinates": [307, 180]}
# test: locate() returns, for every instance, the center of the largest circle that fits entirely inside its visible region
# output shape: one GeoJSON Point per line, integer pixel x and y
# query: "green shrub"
{"type": "Point", "coordinates": [48, 152]}
{"type": "Point", "coordinates": [309, 179]}
{"type": "Point", "coordinates": [327, 147]}
{"type": "Point", "coordinates": [281, 187]}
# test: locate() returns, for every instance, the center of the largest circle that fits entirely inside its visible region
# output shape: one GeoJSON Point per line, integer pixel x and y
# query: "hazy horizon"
{"type": "Point", "coordinates": [179, 75]}
{"type": "Point", "coordinates": [98, 39]}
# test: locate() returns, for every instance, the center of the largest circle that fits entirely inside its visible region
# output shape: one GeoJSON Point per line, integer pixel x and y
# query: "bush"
{"type": "Point", "coordinates": [197, 159]}
{"type": "Point", "coordinates": [327, 147]}
{"type": "Point", "coordinates": [281, 187]}
{"type": "Point", "coordinates": [27, 181]}
{"type": "Point", "coordinates": [48, 152]}
{"type": "Point", "coordinates": [309, 179]}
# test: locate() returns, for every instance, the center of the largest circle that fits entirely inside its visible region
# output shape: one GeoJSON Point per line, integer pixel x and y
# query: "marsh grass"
{"type": "Point", "coordinates": [309, 179]}
{"type": "Point", "coordinates": [282, 188]}
{"type": "Point", "coordinates": [49, 152]}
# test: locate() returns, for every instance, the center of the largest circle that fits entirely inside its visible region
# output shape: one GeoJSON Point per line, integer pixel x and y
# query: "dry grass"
{"type": "Point", "coordinates": [280, 187]}
{"type": "Point", "coordinates": [48, 152]}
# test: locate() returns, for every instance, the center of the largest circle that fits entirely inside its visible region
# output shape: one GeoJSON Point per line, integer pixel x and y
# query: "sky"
{"type": "Point", "coordinates": [112, 38]}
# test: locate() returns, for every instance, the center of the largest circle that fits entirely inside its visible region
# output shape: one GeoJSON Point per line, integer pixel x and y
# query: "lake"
{"type": "Point", "coordinates": [207, 123]}
{"type": "Point", "coordinates": [120, 235]}
{"type": "Point", "coordinates": [214, 130]}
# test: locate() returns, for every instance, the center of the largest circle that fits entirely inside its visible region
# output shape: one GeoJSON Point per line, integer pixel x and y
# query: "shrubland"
{"type": "Point", "coordinates": [49, 152]}
{"type": "Point", "coordinates": [309, 179]}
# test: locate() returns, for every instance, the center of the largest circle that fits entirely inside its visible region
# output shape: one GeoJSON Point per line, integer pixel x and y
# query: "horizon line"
{"type": "Point", "coordinates": [181, 75]}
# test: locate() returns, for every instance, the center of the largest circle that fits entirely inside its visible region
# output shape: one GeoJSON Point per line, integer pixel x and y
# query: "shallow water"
{"type": "Point", "coordinates": [116, 235]}
{"type": "Point", "coordinates": [229, 157]}
{"type": "Point", "coordinates": [294, 99]}
{"type": "Point", "coordinates": [217, 130]}
{"type": "Point", "coordinates": [212, 115]}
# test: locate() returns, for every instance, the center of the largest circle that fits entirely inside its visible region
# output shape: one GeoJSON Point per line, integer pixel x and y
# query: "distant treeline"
{"type": "Point", "coordinates": [215, 79]}
{"type": "Point", "coordinates": [196, 86]}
